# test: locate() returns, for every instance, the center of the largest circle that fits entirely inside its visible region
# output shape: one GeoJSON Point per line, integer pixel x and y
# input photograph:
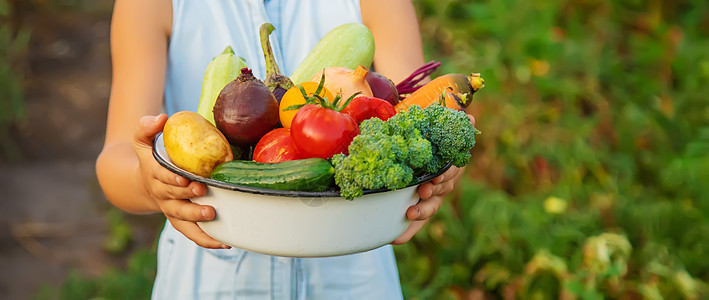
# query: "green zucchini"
{"type": "Point", "coordinates": [312, 174]}
{"type": "Point", "coordinates": [223, 68]}
{"type": "Point", "coordinates": [348, 45]}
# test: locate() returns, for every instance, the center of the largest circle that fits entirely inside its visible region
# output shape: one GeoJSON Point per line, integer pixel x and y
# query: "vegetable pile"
{"type": "Point", "coordinates": [345, 128]}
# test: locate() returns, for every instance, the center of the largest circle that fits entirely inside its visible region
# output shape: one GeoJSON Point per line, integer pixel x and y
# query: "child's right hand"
{"type": "Point", "coordinates": [169, 191]}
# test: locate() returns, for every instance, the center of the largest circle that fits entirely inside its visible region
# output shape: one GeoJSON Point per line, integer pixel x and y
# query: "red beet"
{"type": "Point", "coordinates": [245, 110]}
{"type": "Point", "coordinates": [382, 87]}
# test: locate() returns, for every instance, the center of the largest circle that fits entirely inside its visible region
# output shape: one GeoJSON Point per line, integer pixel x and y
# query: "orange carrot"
{"type": "Point", "coordinates": [457, 89]}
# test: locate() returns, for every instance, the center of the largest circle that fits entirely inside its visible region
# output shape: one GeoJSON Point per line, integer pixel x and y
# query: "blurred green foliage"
{"type": "Point", "coordinates": [589, 179]}
{"type": "Point", "coordinates": [120, 236]}
{"type": "Point", "coordinates": [14, 40]}
{"type": "Point", "coordinates": [133, 282]}
{"type": "Point", "coordinates": [15, 33]}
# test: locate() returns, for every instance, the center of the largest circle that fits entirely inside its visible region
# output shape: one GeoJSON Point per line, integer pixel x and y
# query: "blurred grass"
{"type": "Point", "coordinates": [589, 179]}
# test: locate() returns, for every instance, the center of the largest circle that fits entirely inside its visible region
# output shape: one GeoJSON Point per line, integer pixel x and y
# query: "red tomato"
{"type": "Point", "coordinates": [362, 108]}
{"type": "Point", "coordinates": [276, 146]}
{"type": "Point", "coordinates": [322, 132]}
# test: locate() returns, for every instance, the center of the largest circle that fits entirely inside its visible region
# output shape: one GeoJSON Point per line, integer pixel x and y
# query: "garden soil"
{"type": "Point", "coordinates": [53, 213]}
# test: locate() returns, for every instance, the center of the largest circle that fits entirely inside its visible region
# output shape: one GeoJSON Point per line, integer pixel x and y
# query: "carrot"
{"type": "Point", "coordinates": [457, 89]}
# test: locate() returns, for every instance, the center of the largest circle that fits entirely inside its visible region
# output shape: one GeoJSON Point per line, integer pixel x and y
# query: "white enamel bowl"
{"type": "Point", "coordinates": [296, 223]}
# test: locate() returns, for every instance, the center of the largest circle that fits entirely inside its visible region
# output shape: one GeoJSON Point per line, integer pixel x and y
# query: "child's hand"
{"type": "Point", "coordinates": [432, 194]}
{"type": "Point", "coordinates": [169, 190]}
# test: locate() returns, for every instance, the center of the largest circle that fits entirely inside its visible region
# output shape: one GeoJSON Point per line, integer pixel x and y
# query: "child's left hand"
{"type": "Point", "coordinates": [432, 194]}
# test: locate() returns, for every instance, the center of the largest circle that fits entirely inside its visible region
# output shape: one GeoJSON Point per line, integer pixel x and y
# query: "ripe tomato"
{"type": "Point", "coordinates": [276, 146]}
{"type": "Point", "coordinates": [362, 108]}
{"type": "Point", "coordinates": [322, 132]}
{"type": "Point", "coordinates": [294, 96]}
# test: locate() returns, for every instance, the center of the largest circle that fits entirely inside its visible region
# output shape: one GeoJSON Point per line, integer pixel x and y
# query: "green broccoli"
{"type": "Point", "coordinates": [377, 159]}
{"type": "Point", "coordinates": [374, 126]}
{"type": "Point", "coordinates": [387, 154]}
{"type": "Point", "coordinates": [412, 122]}
{"type": "Point", "coordinates": [451, 134]}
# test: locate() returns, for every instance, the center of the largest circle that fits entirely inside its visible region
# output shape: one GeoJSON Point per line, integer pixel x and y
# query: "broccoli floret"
{"type": "Point", "coordinates": [452, 134]}
{"type": "Point", "coordinates": [398, 176]}
{"type": "Point", "coordinates": [434, 164]}
{"type": "Point", "coordinates": [344, 178]}
{"type": "Point", "coordinates": [374, 126]}
{"type": "Point", "coordinates": [379, 158]}
{"type": "Point", "coordinates": [338, 159]}
{"type": "Point", "coordinates": [400, 147]}
{"type": "Point", "coordinates": [420, 152]}
{"type": "Point", "coordinates": [370, 157]}
{"type": "Point", "coordinates": [410, 123]}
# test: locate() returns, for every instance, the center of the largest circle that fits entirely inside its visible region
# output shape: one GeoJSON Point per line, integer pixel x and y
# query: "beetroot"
{"type": "Point", "coordinates": [382, 87]}
{"type": "Point", "coordinates": [245, 110]}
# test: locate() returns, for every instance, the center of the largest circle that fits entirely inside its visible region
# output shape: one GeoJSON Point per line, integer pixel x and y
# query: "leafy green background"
{"type": "Point", "coordinates": [589, 178]}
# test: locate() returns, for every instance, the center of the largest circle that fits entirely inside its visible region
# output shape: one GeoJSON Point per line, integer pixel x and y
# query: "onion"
{"type": "Point", "coordinates": [382, 87]}
{"type": "Point", "coordinates": [345, 81]}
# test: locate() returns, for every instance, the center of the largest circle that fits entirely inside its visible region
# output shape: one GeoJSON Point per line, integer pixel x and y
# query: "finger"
{"type": "Point", "coordinates": [451, 178]}
{"type": "Point", "coordinates": [440, 178]}
{"type": "Point", "coordinates": [472, 119]}
{"type": "Point", "coordinates": [167, 177]}
{"type": "Point", "coordinates": [414, 227]}
{"type": "Point", "coordinates": [424, 209]}
{"type": "Point", "coordinates": [442, 189]}
{"type": "Point", "coordinates": [171, 192]}
{"type": "Point", "coordinates": [425, 190]}
{"type": "Point", "coordinates": [413, 212]}
{"type": "Point", "coordinates": [187, 211]}
{"type": "Point", "coordinates": [199, 189]}
{"type": "Point", "coordinates": [192, 231]}
{"type": "Point", "coordinates": [451, 174]}
{"type": "Point", "coordinates": [148, 127]}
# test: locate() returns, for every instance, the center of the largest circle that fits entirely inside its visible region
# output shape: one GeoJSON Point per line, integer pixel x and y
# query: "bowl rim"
{"type": "Point", "coordinates": [332, 192]}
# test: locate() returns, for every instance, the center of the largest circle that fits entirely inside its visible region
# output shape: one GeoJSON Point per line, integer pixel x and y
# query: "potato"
{"type": "Point", "coordinates": [194, 144]}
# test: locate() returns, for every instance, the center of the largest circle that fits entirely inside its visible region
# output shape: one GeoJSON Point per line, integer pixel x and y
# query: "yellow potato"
{"type": "Point", "coordinates": [194, 144]}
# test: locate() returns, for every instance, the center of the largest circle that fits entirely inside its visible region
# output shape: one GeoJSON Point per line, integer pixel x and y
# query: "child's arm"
{"type": "Point", "coordinates": [398, 52]}
{"type": "Point", "coordinates": [128, 174]}
{"type": "Point", "coordinates": [397, 39]}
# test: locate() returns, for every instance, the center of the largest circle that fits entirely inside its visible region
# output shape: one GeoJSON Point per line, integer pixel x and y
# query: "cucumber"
{"type": "Point", "coordinates": [311, 174]}
{"type": "Point", "coordinates": [348, 45]}
{"type": "Point", "coordinates": [223, 68]}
